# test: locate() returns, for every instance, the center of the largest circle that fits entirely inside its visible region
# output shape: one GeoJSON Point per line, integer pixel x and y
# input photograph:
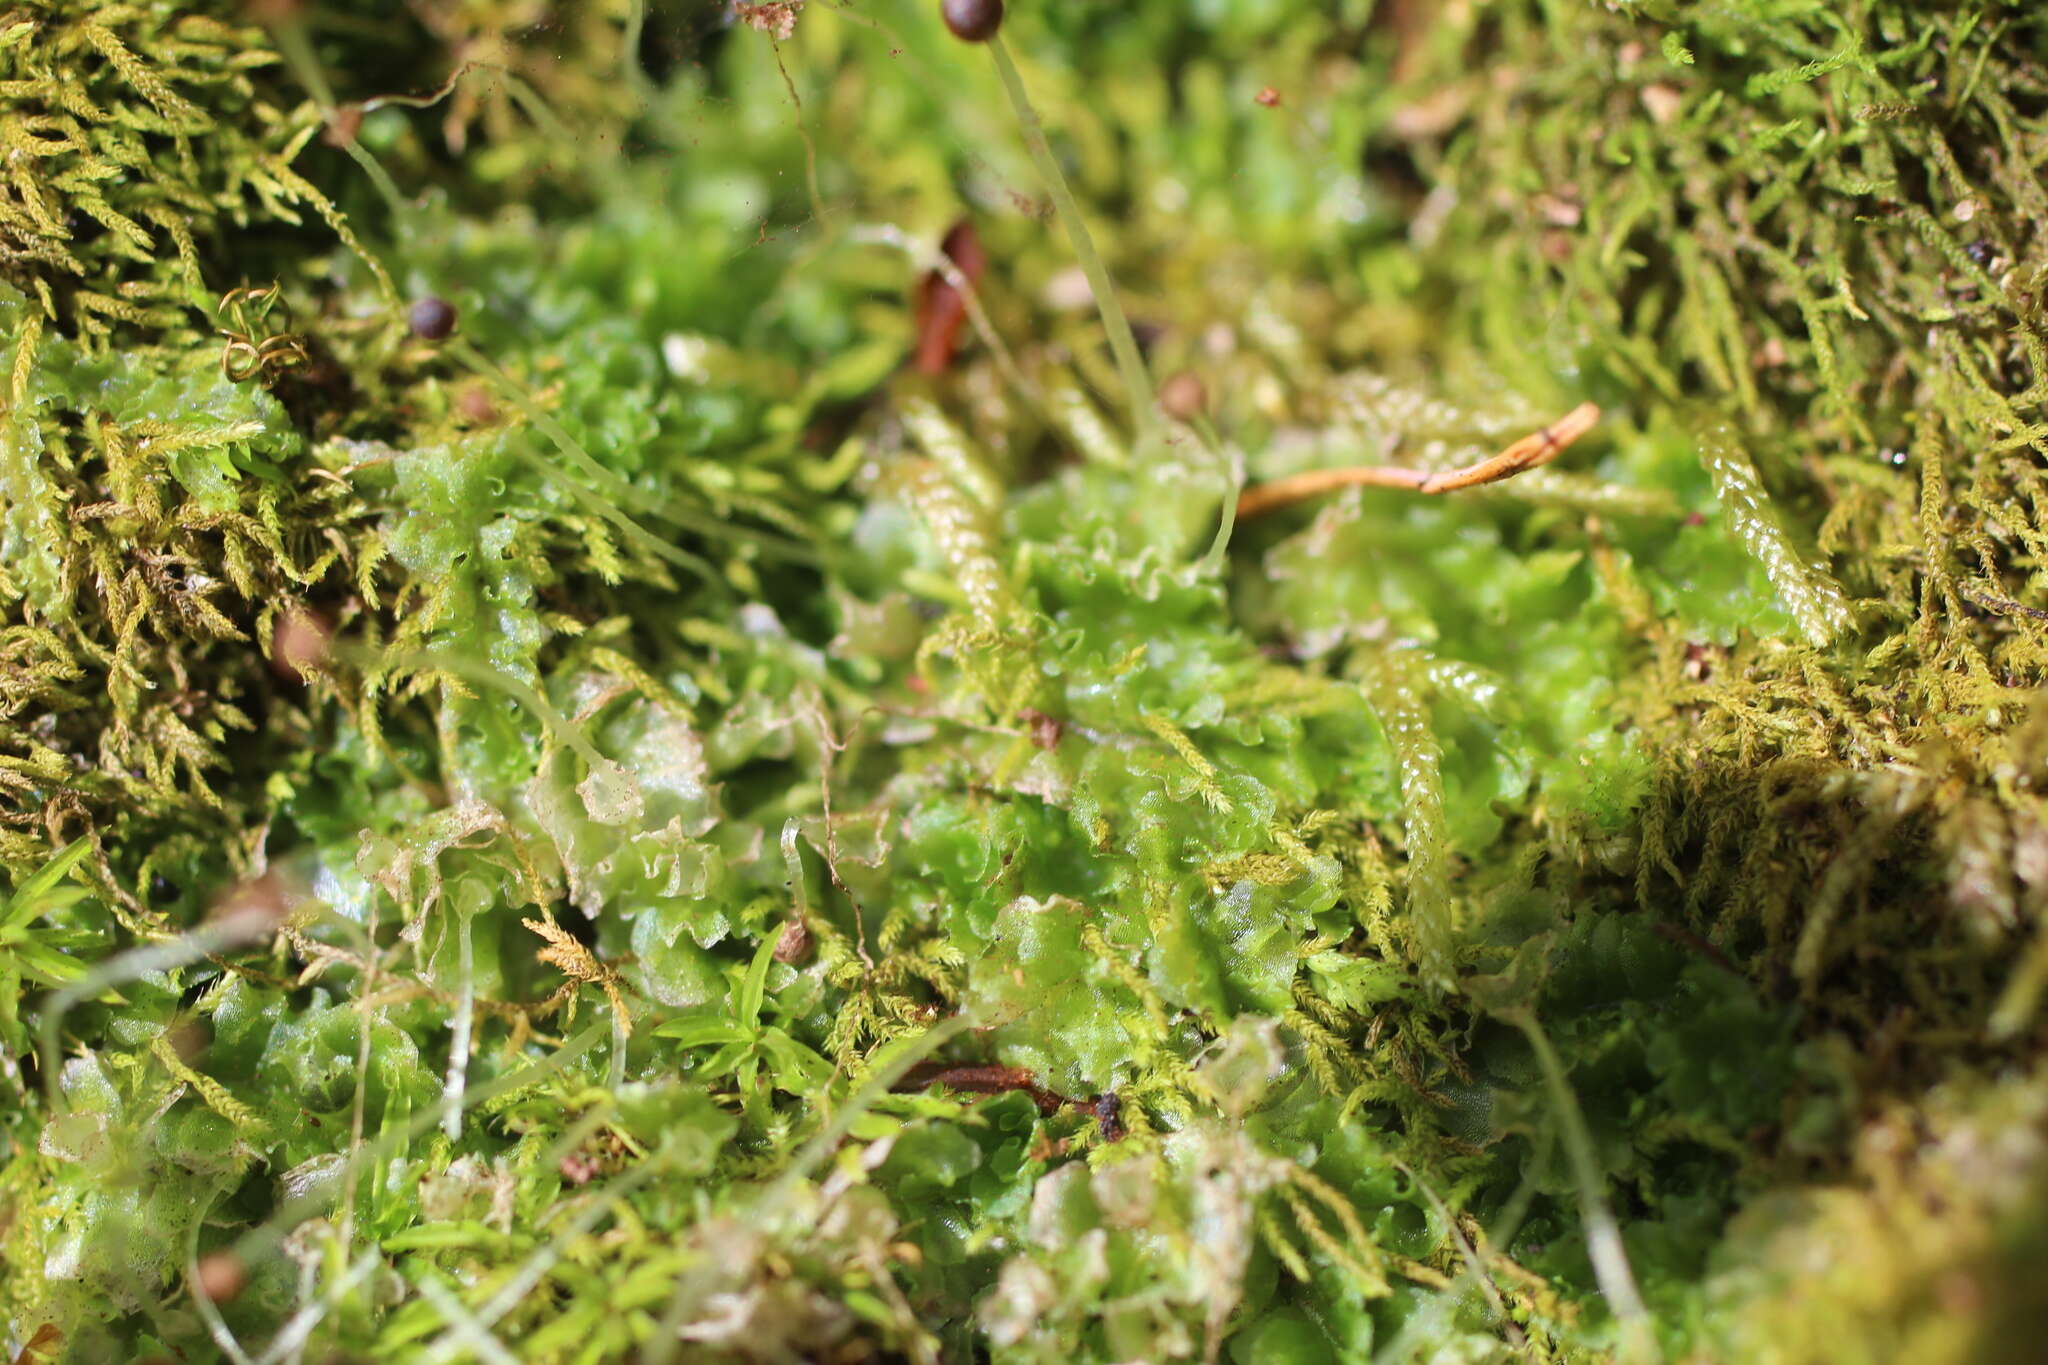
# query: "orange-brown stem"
{"type": "Point", "coordinates": [1536, 449]}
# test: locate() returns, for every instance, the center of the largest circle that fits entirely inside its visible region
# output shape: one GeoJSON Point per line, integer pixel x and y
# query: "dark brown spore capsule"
{"type": "Point", "coordinates": [1109, 1116]}
{"type": "Point", "coordinates": [972, 21]}
{"type": "Point", "coordinates": [432, 319]}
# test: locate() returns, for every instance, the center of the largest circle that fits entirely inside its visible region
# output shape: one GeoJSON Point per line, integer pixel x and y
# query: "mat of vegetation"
{"type": "Point", "coordinates": [635, 727]}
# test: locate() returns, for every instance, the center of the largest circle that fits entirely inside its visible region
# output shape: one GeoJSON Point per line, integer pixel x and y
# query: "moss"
{"type": "Point", "coordinates": [504, 828]}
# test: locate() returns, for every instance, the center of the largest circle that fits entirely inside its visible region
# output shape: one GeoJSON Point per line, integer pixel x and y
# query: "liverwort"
{"type": "Point", "coordinates": [611, 795]}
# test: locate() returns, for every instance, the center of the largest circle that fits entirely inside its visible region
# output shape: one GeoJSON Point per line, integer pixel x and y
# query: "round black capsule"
{"type": "Point", "coordinates": [1109, 1116]}
{"type": "Point", "coordinates": [972, 21]}
{"type": "Point", "coordinates": [432, 319]}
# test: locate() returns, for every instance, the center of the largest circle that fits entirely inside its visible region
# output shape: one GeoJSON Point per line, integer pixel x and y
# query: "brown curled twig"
{"type": "Point", "coordinates": [1534, 450]}
{"type": "Point", "coordinates": [981, 1080]}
